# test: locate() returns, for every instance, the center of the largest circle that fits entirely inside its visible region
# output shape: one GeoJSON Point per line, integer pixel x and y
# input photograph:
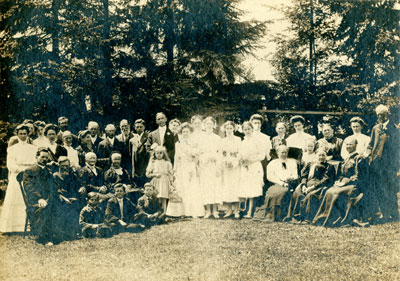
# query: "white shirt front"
{"type": "Point", "coordinates": [121, 206]}
{"type": "Point", "coordinates": [111, 140]}
{"type": "Point", "coordinates": [72, 155]}
{"type": "Point", "coordinates": [161, 131]}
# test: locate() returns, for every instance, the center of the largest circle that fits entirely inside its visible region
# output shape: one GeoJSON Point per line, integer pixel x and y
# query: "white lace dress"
{"type": "Point", "coordinates": [19, 157]}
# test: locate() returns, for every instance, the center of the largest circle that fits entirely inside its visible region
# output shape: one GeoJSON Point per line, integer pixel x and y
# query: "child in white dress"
{"type": "Point", "coordinates": [161, 173]}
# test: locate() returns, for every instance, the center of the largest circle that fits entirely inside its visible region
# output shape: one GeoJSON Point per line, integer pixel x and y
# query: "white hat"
{"type": "Point", "coordinates": [381, 109]}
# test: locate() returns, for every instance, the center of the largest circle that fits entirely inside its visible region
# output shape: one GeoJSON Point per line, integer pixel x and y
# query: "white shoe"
{"type": "Point", "coordinates": [215, 215]}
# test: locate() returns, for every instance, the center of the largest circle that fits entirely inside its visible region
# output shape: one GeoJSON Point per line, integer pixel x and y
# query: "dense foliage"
{"type": "Point", "coordinates": [344, 55]}
{"type": "Point", "coordinates": [101, 57]}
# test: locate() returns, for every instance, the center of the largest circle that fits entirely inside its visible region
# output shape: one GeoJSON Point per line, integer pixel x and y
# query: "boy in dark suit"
{"type": "Point", "coordinates": [121, 212]}
{"type": "Point", "coordinates": [91, 219]}
{"type": "Point", "coordinates": [150, 211]}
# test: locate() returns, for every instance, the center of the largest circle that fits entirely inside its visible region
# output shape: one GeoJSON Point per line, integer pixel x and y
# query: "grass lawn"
{"type": "Point", "coordinates": [212, 250]}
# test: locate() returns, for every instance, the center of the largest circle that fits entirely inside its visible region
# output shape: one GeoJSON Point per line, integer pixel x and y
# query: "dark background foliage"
{"type": "Point", "coordinates": [107, 60]}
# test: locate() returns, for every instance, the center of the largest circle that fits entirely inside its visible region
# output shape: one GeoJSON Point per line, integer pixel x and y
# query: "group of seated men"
{"type": "Point", "coordinates": [57, 200]}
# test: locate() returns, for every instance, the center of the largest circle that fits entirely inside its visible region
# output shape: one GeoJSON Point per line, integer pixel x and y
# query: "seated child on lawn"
{"type": "Point", "coordinates": [91, 218]}
{"type": "Point", "coordinates": [150, 210]}
{"type": "Point", "coordinates": [121, 212]}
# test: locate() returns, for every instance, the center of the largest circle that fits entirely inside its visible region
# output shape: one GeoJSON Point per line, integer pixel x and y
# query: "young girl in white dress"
{"type": "Point", "coordinates": [210, 182]}
{"type": "Point", "coordinates": [251, 171]}
{"type": "Point", "coordinates": [161, 173]}
{"type": "Point", "coordinates": [309, 154]}
{"type": "Point", "coordinates": [186, 178]}
{"type": "Point", "coordinates": [20, 156]}
{"type": "Point", "coordinates": [230, 169]}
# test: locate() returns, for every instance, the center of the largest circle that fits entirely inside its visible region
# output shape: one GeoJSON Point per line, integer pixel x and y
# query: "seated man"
{"type": "Point", "coordinates": [116, 174]}
{"type": "Point", "coordinates": [150, 211]}
{"type": "Point", "coordinates": [91, 176]}
{"type": "Point", "coordinates": [69, 203]}
{"type": "Point", "coordinates": [121, 212]}
{"type": "Point", "coordinates": [91, 219]}
{"type": "Point", "coordinates": [41, 197]}
{"type": "Point", "coordinates": [346, 193]}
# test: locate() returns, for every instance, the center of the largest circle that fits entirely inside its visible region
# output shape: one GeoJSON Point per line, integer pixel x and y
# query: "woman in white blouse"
{"type": "Point", "coordinates": [356, 125]}
{"type": "Point", "coordinates": [299, 138]}
{"type": "Point", "coordinates": [282, 173]}
{"type": "Point", "coordinates": [20, 156]}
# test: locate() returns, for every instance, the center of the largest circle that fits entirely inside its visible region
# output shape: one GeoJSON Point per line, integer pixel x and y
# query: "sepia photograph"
{"type": "Point", "coordinates": [205, 140]}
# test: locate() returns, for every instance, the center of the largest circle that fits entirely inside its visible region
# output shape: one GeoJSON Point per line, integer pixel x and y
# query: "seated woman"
{"type": "Point", "coordinates": [282, 173]}
{"type": "Point", "coordinates": [345, 194]}
{"type": "Point", "coordinates": [315, 178]}
{"type": "Point", "coordinates": [330, 143]}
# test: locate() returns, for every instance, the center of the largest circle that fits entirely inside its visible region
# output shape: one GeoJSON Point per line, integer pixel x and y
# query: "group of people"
{"type": "Point", "coordinates": [96, 186]}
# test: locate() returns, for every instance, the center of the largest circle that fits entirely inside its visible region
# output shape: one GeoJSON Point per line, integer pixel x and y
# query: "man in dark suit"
{"type": "Point", "coordinates": [139, 152]}
{"type": "Point", "coordinates": [108, 145]}
{"type": "Point", "coordinates": [163, 136]}
{"type": "Point", "coordinates": [124, 138]}
{"type": "Point", "coordinates": [63, 124]}
{"type": "Point", "coordinates": [121, 212]}
{"type": "Point", "coordinates": [68, 204]}
{"type": "Point", "coordinates": [41, 193]}
{"type": "Point", "coordinates": [94, 129]}
{"type": "Point", "coordinates": [384, 162]}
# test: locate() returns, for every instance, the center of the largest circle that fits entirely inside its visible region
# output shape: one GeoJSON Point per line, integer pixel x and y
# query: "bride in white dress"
{"type": "Point", "coordinates": [19, 157]}
{"type": "Point", "coordinates": [186, 174]}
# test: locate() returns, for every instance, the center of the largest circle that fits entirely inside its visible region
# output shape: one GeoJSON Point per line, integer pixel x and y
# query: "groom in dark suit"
{"type": "Point", "coordinates": [384, 161]}
{"type": "Point", "coordinates": [163, 136]}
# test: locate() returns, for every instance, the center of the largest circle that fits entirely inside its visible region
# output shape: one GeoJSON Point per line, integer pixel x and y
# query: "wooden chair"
{"type": "Point", "coordinates": [29, 209]}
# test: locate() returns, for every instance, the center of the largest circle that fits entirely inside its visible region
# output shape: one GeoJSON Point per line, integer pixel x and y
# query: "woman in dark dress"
{"type": "Point", "coordinates": [85, 146]}
{"type": "Point", "coordinates": [330, 143]}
